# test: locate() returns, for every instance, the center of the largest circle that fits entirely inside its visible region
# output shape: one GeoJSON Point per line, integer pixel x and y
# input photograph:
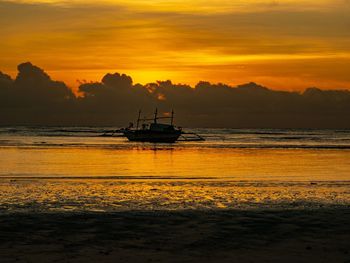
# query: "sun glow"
{"type": "Point", "coordinates": [303, 42]}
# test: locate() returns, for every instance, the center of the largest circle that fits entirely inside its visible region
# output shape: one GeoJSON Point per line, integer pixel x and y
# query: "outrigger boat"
{"type": "Point", "coordinates": [157, 132]}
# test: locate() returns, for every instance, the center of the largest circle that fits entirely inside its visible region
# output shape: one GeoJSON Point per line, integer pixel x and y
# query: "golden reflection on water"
{"type": "Point", "coordinates": [236, 164]}
{"type": "Point", "coordinates": [179, 178]}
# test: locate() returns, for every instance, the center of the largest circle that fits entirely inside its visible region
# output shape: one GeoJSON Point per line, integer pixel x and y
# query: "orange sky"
{"type": "Point", "coordinates": [292, 44]}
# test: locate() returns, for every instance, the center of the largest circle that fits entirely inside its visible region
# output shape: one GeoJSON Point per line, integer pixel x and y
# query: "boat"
{"type": "Point", "coordinates": [154, 131]}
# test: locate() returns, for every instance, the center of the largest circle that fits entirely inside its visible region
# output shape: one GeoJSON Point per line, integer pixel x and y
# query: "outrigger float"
{"type": "Point", "coordinates": [153, 131]}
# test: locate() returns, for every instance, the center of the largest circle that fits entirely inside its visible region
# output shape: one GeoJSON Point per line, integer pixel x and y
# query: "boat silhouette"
{"type": "Point", "coordinates": [153, 131]}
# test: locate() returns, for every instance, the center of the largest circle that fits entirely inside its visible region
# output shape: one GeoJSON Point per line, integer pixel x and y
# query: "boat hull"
{"type": "Point", "coordinates": [152, 136]}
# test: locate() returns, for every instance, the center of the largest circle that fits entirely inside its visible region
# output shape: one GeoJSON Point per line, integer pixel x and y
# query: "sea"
{"type": "Point", "coordinates": [60, 169]}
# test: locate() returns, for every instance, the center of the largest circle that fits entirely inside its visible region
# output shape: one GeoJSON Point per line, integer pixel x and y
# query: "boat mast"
{"type": "Point", "coordinates": [138, 120]}
{"type": "Point", "coordinates": [155, 115]}
{"type": "Point", "coordinates": [172, 116]}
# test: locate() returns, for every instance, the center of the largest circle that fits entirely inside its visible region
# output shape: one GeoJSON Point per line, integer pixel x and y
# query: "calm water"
{"type": "Point", "coordinates": [60, 169]}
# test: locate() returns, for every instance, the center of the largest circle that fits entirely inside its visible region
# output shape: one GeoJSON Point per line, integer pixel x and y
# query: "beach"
{"type": "Point", "coordinates": [174, 131]}
{"type": "Point", "coordinates": [67, 195]}
{"type": "Point", "coordinates": [320, 235]}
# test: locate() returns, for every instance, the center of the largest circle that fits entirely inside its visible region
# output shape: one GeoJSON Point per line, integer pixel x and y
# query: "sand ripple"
{"type": "Point", "coordinates": [120, 195]}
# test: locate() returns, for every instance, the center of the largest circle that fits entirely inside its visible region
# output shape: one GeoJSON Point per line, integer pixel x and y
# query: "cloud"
{"type": "Point", "coordinates": [32, 85]}
{"type": "Point", "coordinates": [34, 98]}
{"type": "Point", "coordinates": [182, 46]}
{"type": "Point", "coordinates": [114, 100]}
{"type": "Point", "coordinates": [5, 81]}
{"type": "Point", "coordinates": [115, 90]}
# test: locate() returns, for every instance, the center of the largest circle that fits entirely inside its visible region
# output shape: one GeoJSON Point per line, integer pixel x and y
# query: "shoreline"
{"type": "Point", "coordinates": [254, 235]}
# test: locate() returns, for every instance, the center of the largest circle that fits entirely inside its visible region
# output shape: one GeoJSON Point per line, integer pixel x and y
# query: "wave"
{"type": "Point", "coordinates": [92, 137]}
{"type": "Point", "coordinates": [165, 146]}
{"type": "Point", "coordinates": [204, 180]}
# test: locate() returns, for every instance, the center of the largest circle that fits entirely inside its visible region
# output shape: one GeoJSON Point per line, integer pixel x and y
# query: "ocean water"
{"type": "Point", "coordinates": [77, 169]}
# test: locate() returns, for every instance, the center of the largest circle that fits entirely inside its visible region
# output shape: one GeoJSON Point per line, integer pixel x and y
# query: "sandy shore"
{"type": "Point", "coordinates": [321, 235]}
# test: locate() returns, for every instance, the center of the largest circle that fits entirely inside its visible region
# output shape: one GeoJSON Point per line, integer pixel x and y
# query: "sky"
{"type": "Point", "coordinates": [285, 45]}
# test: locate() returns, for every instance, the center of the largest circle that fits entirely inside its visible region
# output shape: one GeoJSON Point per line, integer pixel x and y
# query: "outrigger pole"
{"type": "Point", "coordinates": [155, 115]}
{"type": "Point", "coordinates": [138, 120]}
{"type": "Point", "coordinates": [172, 116]}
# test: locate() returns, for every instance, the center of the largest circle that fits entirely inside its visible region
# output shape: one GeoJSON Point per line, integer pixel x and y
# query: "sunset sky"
{"type": "Point", "coordinates": [291, 45]}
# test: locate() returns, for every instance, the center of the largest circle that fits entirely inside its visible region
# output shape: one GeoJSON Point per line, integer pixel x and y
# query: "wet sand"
{"type": "Point", "coordinates": [288, 235]}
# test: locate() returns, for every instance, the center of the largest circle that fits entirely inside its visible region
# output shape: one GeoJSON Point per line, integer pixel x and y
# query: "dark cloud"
{"type": "Point", "coordinates": [5, 87]}
{"type": "Point", "coordinates": [114, 100]}
{"type": "Point", "coordinates": [33, 85]}
{"type": "Point", "coordinates": [34, 98]}
{"type": "Point", "coordinates": [5, 84]}
{"type": "Point", "coordinates": [5, 80]}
